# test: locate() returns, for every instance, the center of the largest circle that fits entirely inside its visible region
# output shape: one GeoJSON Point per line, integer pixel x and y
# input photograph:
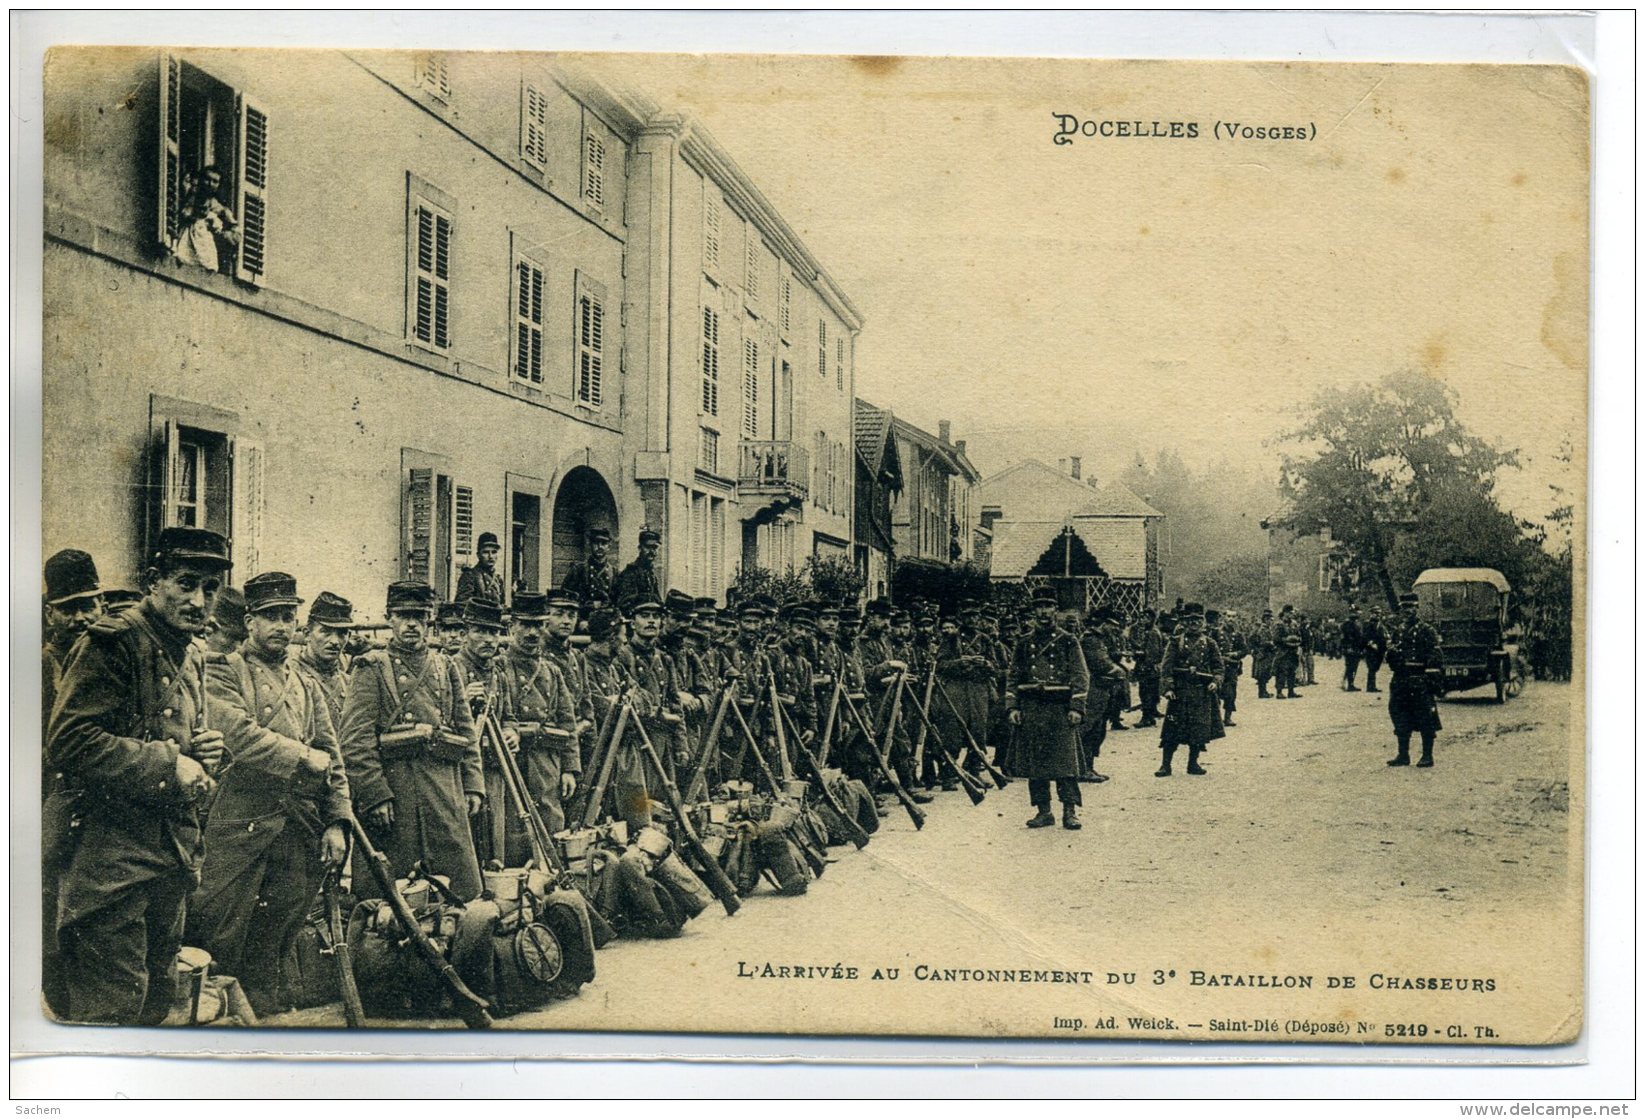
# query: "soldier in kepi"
{"type": "Point", "coordinates": [477, 668]}
{"type": "Point", "coordinates": [538, 708]}
{"type": "Point", "coordinates": [591, 579]}
{"type": "Point", "coordinates": [412, 751]}
{"type": "Point", "coordinates": [483, 580]}
{"type": "Point", "coordinates": [280, 818]}
{"type": "Point", "coordinates": [330, 620]}
{"type": "Point", "coordinates": [639, 580]}
{"type": "Point", "coordinates": [1191, 672]}
{"type": "Point", "coordinates": [1045, 698]}
{"type": "Point", "coordinates": [74, 601]}
{"type": "Point", "coordinates": [1413, 657]}
{"type": "Point", "coordinates": [129, 736]}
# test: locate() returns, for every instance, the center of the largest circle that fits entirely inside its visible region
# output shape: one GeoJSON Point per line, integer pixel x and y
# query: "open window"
{"type": "Point", "coordinates": [204, 474]}
{"type": "Point", "coordinates": [436, 521]}
{"type": "Point", "coordinates": [213, 173]}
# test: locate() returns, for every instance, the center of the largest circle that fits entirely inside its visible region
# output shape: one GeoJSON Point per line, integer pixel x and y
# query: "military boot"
{"type": "Point", "coordinates": [1164, 769]}
{"type": "Point", "coordinates": [1070, 817]}
{"type": "Point", "coordinates": [1427, 759]}
{"type": "Point", "coordinates": [1042, 818]}
{"type": "Point", "coordinates": [1194, 767]}
{"type": "Point", "coordinates": [1402, 758]}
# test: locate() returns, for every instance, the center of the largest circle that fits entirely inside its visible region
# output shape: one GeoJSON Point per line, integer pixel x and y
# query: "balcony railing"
{"type": "Point", "coordinates": [774, 466]}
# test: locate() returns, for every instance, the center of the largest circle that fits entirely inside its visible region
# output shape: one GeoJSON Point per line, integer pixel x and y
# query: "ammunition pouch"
{"type": "Point", "coordinates": [1057, 694]}
{"type": "Point", "coordinates": [421, 739]}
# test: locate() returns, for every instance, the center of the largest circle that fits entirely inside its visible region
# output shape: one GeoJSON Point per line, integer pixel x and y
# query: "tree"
{"type": "Point", "coordinates": [1239, 583]}
{"type": "Point", "coordinates": [834, 580]}
{"type": "Point", "coordinates": [1385, 459]}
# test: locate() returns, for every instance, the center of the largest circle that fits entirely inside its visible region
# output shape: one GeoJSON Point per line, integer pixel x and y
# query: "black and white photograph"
{"type": "Point", "coordinates": [861, 546]}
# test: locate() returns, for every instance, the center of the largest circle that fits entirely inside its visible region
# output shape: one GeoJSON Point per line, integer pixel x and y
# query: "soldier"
{"type": "Point", "coordinates": [130, 738]}
{"type": "Point", "coordinates": [884, 651]}
{"type": "Point", "coordinates": [1191, 669]}
{"type": "Point", "coordinates": [639, 580]}
{"type": "Point", "coordinates": [1147, 644]}
{"type": "Point", "coordinates": [1262, 654]}
{"type": "Point", "coordinates": [1413, 657]}
{"type": "Point", "coordinates": [226, 627]}
{"type": "Point", "coordinates": [483, 580]}
{"type": "Point", "coordinates": [73, 602]}
{"type": "Point", "coordinates": [657, 706]}
{"type": "Point", "coordinates": [411, 748]}
{"type": "Point", "coordinates": [321, 657]}
{"type": "Point", "coordinates": [1305, 631]}
{"type": "Point", "coordinates": [591, 580]}
{"type": "Point", "coordinates": [535, 703]}
{"type": "Point", "coordinates": [1232, 643]}
{"type": "Point", "coordinates": [477, 669]}
{"type": "Point", "coordinates": [280, 819]}
{"type": "Point", "coordinates": [559, 626]}
{"type": "Point", "coordinates": [449, 627]}
{"type": "Point", "coordinates": [965, 678]}
{"type": "Point", "coordinates": [1287, 654]}
{"type": "Point", "coordinates": [1119, 687]}
{"type": "Point", "coordinates": [1353, 647]}
{"type": "Point", "coordinates": [1376, 643]}
{"type": "Point", "coordinates": [1106, 677]}
{"type": "Point", "coordinates": [1046, 701]}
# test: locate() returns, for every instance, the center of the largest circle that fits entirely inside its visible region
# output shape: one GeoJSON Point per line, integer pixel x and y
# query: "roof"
{"type": "Point", "coordinates": [950, 455]}
{"type": "Point", "coordinates": [872, 431]}
{"type": "Point", "coordinates": [1116, 500]}
{"type": "Point", "coordinates": [1464, 575]}
{"type": "Point", "coordinates": [1119, 545]}
{"type": "Point", "coordinates": [1030, 490]}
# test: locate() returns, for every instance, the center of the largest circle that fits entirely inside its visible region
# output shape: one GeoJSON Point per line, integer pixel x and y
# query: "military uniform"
{"type": "Point", "coordinates": [427, 781]}
{"type": "Point", "coordinates": [126, 838]}
{"type": "Point", "coordinates": [1287, 655]}
{"type": "Point", "coordinates": [479, 582]}
{"type": "Point", "coordinates": [1107, 676]}
{"type": "Point", "coordinates": [263, 832]}
{"type": "Point", "coordinates": [1376, 643]}
{"type": "Point", "coordinates": [1262, 655]}
{"type": "Point", "coordinates": [1353, 647]}
{"type": "Point", "coordinates": [1234, 646]}
{"type": "Point", "coordinates": [965, 688]}
{"type": "Point", "coordinates": [1048, 679]}
{"type": "Point", "coordinates": [1191, 669]}
{"type": "Point", "coordinates": [1413, 649]}
{"type": "Point", "coordinates": [1148, 646]}
{"type": "Point", "coordinates": [534, 700]}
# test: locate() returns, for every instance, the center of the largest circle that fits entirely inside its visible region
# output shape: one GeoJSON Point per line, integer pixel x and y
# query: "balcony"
{"type": "Point", "coordinates": [774, 468]}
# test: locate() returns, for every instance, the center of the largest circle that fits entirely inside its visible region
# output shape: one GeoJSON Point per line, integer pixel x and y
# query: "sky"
{"type": "Point", "coordinates": [1115, 295]}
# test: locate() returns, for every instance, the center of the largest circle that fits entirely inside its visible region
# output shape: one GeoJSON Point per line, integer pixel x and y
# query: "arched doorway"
{"type": "Point", "coordinates": [583, 502]}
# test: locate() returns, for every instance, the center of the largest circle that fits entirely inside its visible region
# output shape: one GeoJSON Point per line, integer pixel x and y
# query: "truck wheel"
{"type": "Point", "coordinates": [1502, 681]}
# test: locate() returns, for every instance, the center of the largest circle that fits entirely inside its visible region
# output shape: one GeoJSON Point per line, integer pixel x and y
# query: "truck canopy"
{"type": "Point", "coordinates": [1464, 575]}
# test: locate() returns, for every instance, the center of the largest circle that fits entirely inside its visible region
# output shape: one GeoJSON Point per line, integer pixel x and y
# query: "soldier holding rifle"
{"type": "Point", "coordinates": [477, 666]}
{"type": "Point", "coordinates": [536, 709]}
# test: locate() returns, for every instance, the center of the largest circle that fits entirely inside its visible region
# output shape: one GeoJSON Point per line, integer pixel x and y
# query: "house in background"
{"type": "Point", "coordinates": [932, 514]}
{"type": "Point", "coordinates": [879, 480]}
{"type": "Point", "coordinates": [1101, 544]}
{"type": "Point", "coordinates": [1307, 570]}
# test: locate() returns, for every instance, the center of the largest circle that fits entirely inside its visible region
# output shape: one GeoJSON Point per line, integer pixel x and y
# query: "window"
{"type": "Point", "coordinates": [708, 453]}
{"type": "Point", "coordinates": [590, 330]}
{"type": "Point", "coordinates": [533, 126]}
{"type": "Point", "coordinates": [839, 364]}
{"type": "Point", "coordinates": [432, 76]}
{"type": "Point", "coordinates": [528, 321]}
{"type": "Point", "coordinates": [711, 362]}
{"type": "Point", "coordinates": [213, 166]}
{"type": "Point", "coordinates": [786, 301]}
{"type": "Point", "coordinates": [428, 521]}
{"type": "Point", "coordinates": [711, 236]}
{"type": "Point", "coordinates": [706, 555]}
{"type": "Point", "coordinates": [822, 348]}
{"type": "Point", "coordinates": [205, 476]}
{"type": "Point", "coordinates": [751, 389]}
{"type": "Point", "coordinates": [751, 265]}
{"type": "Point", "coordinates": [594, 170]}
{"type": "Point", "coordinates": [428, 310]}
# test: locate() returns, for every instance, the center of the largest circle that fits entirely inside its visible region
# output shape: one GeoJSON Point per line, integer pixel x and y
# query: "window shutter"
{"type": "Point", "coordinates": [716, 545]}
{"type": "Point", "coordinates": [751, 265]}
{"type": "Point", "coordinates": [418, 519]}
{"type": "Point", "coordinates": [533, 126]}
{"type": "Point", "coordinates": [251, 196]}
{"type": "Point", "coordinates": [431, 251]}
{"type": "Point", "coordinates": [787, 301]}
{"type": "Point", "coordinates": [528, 322]}
{"type": "Point", "coordinates": [170, 475]}
{"type": "Point", "coordinates": [594, 169]}
{"type": "Point", "coordinates": [822, 347]}
{"type": "Point", "coordinates": [711, 362]}
{"type": "Point", "coordinates": [711, 236]}
{"type": "Point", "coordinates": [246, 509]}
{"type": "Point", "coordinates": [839, 363]}
{"type": "Point", "coordinates": [590, 344]}
{"type": "Point", "coordinates": [432, 74]}
{"type": "Point", "coordinates": [463, 516]}
{"type": "Point", "coordinates": [170, 165]}
{"type": "Point", "coordinates": [751, 388]}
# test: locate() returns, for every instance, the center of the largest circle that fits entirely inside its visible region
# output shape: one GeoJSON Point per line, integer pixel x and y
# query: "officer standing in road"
{"type": "Point", "coordinates": [1414, 657]}
{"type": "Point", "coordinates": [1353, 647]}
{"type": "Point", "coordinates": [483, 580]}
{"type": "Point", "coordinates": [639, 580]}
{"type": "Point", "coordinates": [1262, 655]}
{"type": "Point", "coordinates": [413, 755]}
{"type": "Point", "coordinates": [280, 819]}
{"type": "Point", "coordinates": [1191, 671]}
{"type": "Point", "coordinates": [1046, 699]}
{"type": "Point", "coordinates": [1376, 645]}
{"type": "Point", "coordinates": [129, 736]}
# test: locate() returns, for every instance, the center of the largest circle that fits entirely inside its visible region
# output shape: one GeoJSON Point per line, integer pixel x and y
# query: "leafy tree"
{"type": "Point", "coordinates": [834, 580]}
{"type": "Point", "coordinates": [753, 581]}
{"type": "Point", "coordinates": [1379, 460]}
{"type": "Point", "coordinates": [1239, 583]}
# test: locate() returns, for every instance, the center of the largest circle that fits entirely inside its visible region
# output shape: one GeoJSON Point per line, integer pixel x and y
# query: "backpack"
{"type": "Point", "coordinates": [393, 978]}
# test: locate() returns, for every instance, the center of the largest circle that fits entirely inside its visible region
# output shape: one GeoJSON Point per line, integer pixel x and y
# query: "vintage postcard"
{"type": "Point", "coordinates": [993, 548]}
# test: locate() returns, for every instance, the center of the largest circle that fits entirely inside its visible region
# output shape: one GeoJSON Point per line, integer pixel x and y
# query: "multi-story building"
{"type": "Point", "coordinates": [448, 294]}
{"type": "Point", "coordinates": [879, 480]}
{"type": "Point", "coordinates": [933, 513]}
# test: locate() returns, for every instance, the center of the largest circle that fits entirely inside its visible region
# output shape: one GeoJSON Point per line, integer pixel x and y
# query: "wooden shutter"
{"type": "Point", "coordinates": [528, 322]}
{"type": "Point", "coordinates": [463, 516]}
{"type": "Point", "coordinates": [170, 474]}
{"type": "Point", "coordinates": [711, 362]}
{"type": "Point", "coordinates": [716, 545]}
{"type": "Point", "coordinates": [594, 169]}
{"type": "Point", "coordinates": [251, 191]}
{"type": "Point", "coordinates": [839, 363]}
{"type": "Point", "coordinates": [169, 188]}
{"type": "Point", "coordinates": [418, 520]}
{"type": "Point", "coordinates": [246, 507]}
{"type": "Point", "coordinates": [822, 347]}
{"type": "Point", "coordinates": [533, 126]}
{"type": "Point", "coordinates": [431, 264]}
{"type": "Point", "coordinates": [590, 328]}
{"type": "Point", "coordinates": [787, 301]}
{"type": "Point", "coordinates": [751, 388]}
{"type": "Point", "coordinates": [751, 264]}
{"type": "Point", "coordinates": [711, 236]}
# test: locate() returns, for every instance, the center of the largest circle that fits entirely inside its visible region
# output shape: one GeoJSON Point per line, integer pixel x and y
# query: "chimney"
{"type": "Point", "coordinates": [959, 445]}
{"type": "Point", "coordinates": [943, 428]}
{"type": "Point", "coordinates": [1062, 466]}
{"type": "Point", "coordinates": [1074, 467]}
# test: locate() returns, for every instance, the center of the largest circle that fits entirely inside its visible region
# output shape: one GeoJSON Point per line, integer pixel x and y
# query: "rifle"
{"type": "Point", "coordinates": [1000, 779]}
{"type": "Point", "coordinates": [776, 718]}
{"type": "Point", "coordinates": [973, 788]}
{"type": "Point", "coordinates": [925, 725]}
{"type": "Point", "coordinates": [619, 715]}
{"type": "Point", "coordinates": [833, 712]}
{"type": "Point", "coordinates": [341, 952]}
{"type": "Point", "coordinates": [886, 771]}
{"type": "Point", "coordinates": [597, 753]}
{"type": "Point", "coordinates": [711, 740]}
{"type": "Point", "coordinates": [473, 1010]}
{"type": "Point", "coordinates": [717, 881]}
{"type": "Point", "coordinates": [514, 786]}
{"type": "Point", "coordinates": [858, 836]}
